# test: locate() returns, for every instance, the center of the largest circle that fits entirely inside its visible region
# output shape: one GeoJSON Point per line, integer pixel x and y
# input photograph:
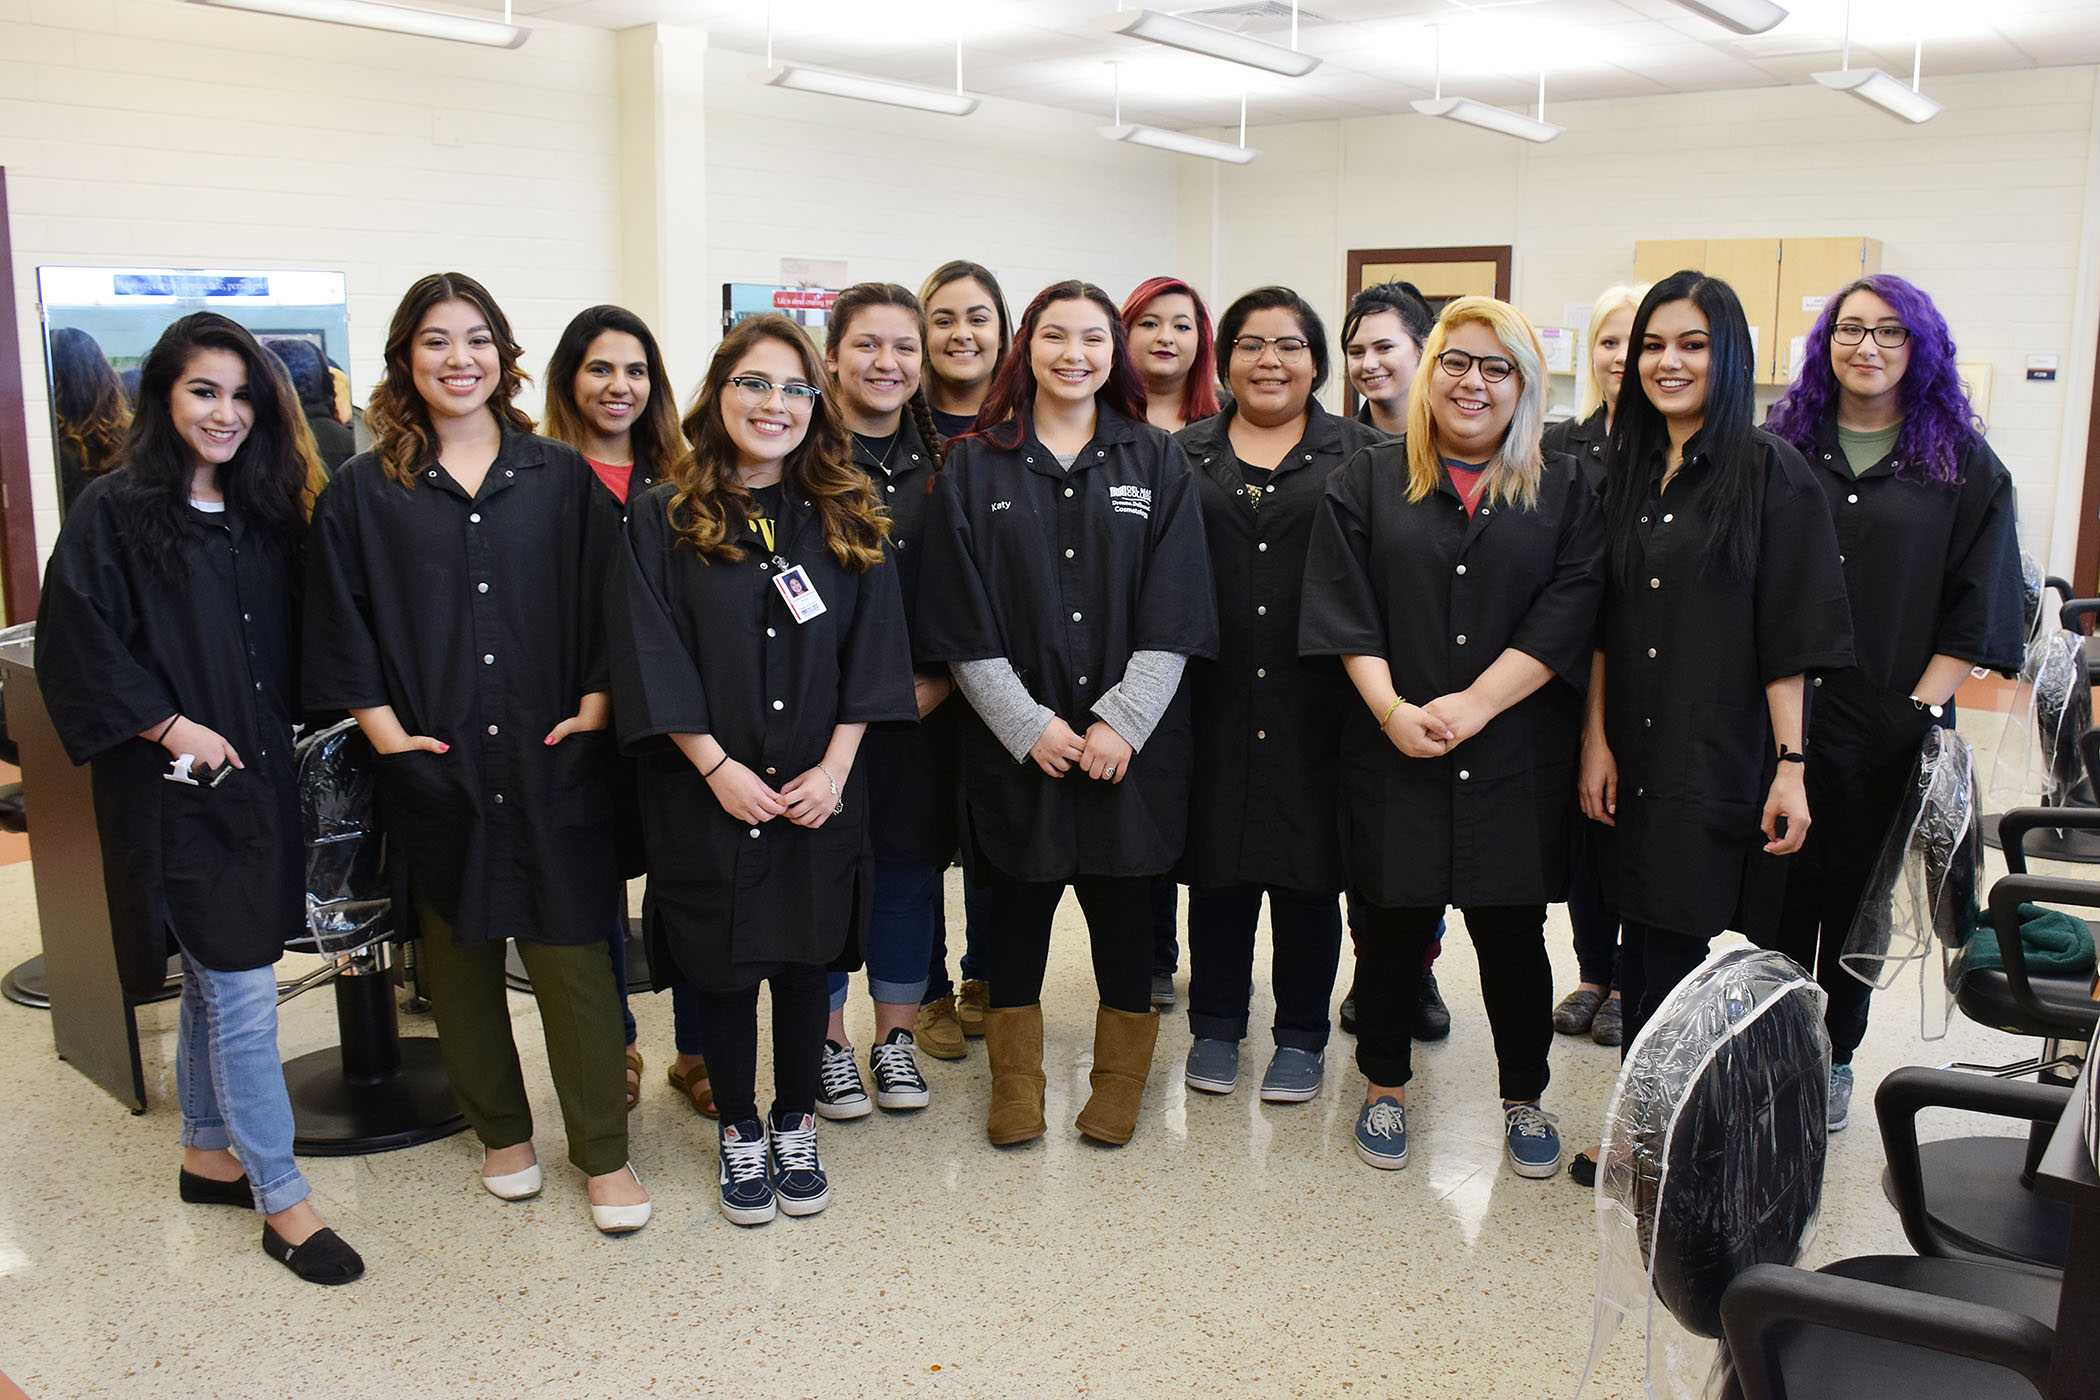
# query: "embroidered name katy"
{"type": "Point", "coordinates": [1131, 500]}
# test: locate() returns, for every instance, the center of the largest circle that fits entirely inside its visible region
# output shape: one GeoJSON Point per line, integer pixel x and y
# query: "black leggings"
{"type": "Point", "coordinates": [729, 1030]}
{"type": "Point", "coordinates": [1652, 961]}
{"type": "Point", "coordinates": [1118, 912]}
{"type": "Point", "coordinates": [1516, 983]}
{"type": "Point", "coordinates": [1817, 905]}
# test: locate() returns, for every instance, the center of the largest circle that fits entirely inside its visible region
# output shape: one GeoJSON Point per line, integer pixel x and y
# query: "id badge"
{"type": "Point", "coordinates": [800, 593]}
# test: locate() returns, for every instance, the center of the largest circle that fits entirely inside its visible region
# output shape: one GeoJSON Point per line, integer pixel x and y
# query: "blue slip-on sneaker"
{"type": "Point", "coordinates": [1294, 1075]}
{"type": "Point", "coordinates": [1533, 1141]}
{"type": "Point", "coordinates": [1381, 1134]}
{"type": "Point", "coordinates": [1213, 1065]}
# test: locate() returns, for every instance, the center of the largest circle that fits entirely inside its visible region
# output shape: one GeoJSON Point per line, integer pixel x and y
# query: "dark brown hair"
{"type": "Point", "coordinates": [655, 433]}
{"type": "Point", "coordinates": [397, 415]}
{"type": "Point", "coordinates": [861, 297]}
{"type": "Point", "coordinates": [819, 468]}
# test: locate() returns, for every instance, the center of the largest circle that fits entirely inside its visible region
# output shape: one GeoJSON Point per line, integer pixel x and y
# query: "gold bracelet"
{"type": "Point", "coordinates": [1398, 701]}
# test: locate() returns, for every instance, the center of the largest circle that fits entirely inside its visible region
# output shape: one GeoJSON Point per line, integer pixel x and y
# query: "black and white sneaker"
{"type": "Point", "coordinates": [898, 1083]}
{"type": "Point", "coordinates": [799, 1183]}
{"type": "Point", "coordinates": [747, 1191]}
{"type": "Point", "coordinates": [840, 1094]}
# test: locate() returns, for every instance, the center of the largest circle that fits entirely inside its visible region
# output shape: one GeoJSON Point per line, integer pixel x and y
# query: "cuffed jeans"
{"type": "Point", "coordinates": [231, 1082]}
{"type": "Point", "coordinates": [900, 934]}
{"type": "Point", "coordinates": [1305, 932]}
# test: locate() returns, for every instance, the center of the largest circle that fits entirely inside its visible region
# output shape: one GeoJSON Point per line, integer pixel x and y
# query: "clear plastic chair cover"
{"type": "Point", "coordinates": [348, 900]}
{"type": "Point", "coordinates": [1920, 903]}
{"type": "Point", "coordinates": [2037, 756]}
{"type": "Point", "coordinates": [1712, 1160]}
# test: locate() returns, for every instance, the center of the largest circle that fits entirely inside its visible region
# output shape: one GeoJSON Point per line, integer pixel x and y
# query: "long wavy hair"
{"type": "Point", "coordinates": [654, 432]}
{"type": "Point", "coordinates": [1939, 423]}
{"type": "Point", "coordinates": [268, 479]}
{"type": "Point", "coordinates": [1274, 299]}
{"type": "Point", "coordinates": [1610, 302]}
{"type": "Point", "coordinates": [1008, 415]}
{"type": "Point", "coordinates": [397, 416]}
{"type": "Point", "coordinates": [1199, 394]}
{"type": "Point", "coordinates": [87, 400]}
{"type": "Point", "coordinates": [1726, 437]}
{"type": "Point", "coordinates": [860, 297]}
{"type": "Point", "coordinates": [956, 270]}
{"type": "Point", "coordinates": [819, 468]}
{"type": "Point", "coordinates": [1511, 477]}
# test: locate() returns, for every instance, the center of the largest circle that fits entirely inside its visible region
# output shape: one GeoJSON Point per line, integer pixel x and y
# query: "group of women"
{"type": "Point", "coordinates": [1022, 590]}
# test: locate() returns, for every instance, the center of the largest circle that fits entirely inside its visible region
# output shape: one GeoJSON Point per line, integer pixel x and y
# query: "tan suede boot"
{"type": "Point", "coordinates": [1014, 1037]}
{"type": "Point", "coordinates": [1123, 1042]}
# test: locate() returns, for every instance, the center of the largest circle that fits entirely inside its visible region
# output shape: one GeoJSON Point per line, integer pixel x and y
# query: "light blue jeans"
{"type": "Point", "coordinates": [231, 1083]}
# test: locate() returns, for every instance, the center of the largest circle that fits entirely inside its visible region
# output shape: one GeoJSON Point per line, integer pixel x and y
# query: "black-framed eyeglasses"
{"type": "Point", "coordinates": [1493, 368]}
{"type": "Point", "coordinates": [1288, 347]}
{"type": "Point", "coordinates": [1852, 333]}
{"type": "Point", "coordinates": [755, 390]}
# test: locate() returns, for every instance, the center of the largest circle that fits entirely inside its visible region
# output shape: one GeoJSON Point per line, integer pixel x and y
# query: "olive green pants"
{"type": "Point", "coordinates": [580, 1015]}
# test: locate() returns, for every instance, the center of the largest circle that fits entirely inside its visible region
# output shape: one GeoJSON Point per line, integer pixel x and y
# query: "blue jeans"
{"type": "Point", "coordinates": [900, 935]}
{"type": "Point", "coordinates": [977, 917]}
{"type": "Point", "coordinates": [230, 1081]}
{"type": "Point", "coordinates": [1306, 947]}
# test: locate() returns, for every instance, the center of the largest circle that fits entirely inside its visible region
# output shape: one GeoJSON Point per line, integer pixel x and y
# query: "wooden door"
{"type": "Point", "coordinates": [1441, 275]}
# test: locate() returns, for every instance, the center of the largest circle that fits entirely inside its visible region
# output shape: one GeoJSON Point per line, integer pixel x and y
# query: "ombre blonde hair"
{"type": "Point", "coordinates": [1610, 302]}
{"type": "Point", "coordinates": [1512, 477]}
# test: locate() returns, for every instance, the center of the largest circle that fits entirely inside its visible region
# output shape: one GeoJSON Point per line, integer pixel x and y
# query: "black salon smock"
{"type": "Point", "coordinates": [1929, 568]}
{"type": "Point", "coordinates": [910, 770]}
{"type": "Point", "coordinates": [1066, 575]}
{"type": "Point", "coordinates": [481, 622]}
{"type": "Point", "coordinates": [119, 650]}
{"type": "Point", "coordinates": [1440, 595]}
{"type": "Point", "coordinates": [1262, 797]}
{"type": "Point", "coordinates": [1583, 439]}
{"type": "Point", "coordinates": [1688, 654]}
{"type": "Point", "coordinates": [628, 843]}
{"type": "Point", "coordinates": [710, 647]}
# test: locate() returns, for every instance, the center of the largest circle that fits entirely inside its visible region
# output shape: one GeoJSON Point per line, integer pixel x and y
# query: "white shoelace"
{"type": "Point", "coordinates": [895, 1064]}
{"type": "Point", "coordinates": [745, 1159]}
{"type": "Point", "coordinates": [1387, 1119]}
{"type": "Point", "coordinates": [796, 1148]}
{"type": "Point", "coordinates": [840, 1077]}
{"type": "Point", "coordinates": [1529, 1120]}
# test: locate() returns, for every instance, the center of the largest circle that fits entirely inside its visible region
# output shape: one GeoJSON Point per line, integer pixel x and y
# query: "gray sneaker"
{"type": "Point", "coordinates": [1163, 989]}
{"type": "Point", "coordinates": [1294, 1075]}
{"type": "Point", "coordinates": [1213, 1066]}
{"type": "Point", "coordinates": [1840, 1097]}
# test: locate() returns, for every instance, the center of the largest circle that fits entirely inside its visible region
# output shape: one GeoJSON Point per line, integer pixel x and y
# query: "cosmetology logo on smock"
{"type": "Point", "coordinates": [1131, 500]}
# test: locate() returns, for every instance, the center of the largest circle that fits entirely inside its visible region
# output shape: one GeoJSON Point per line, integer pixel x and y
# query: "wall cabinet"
{"type": "Point", "coordinates": [1782, 283]}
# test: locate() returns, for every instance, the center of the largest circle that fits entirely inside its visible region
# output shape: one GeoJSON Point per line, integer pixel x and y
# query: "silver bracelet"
{"type": "Point", "coordinates": [839, 805]}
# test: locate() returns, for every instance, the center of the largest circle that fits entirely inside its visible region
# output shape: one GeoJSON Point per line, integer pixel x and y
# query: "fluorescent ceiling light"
{"type": "Point", "coordinates": [1465, 109]}
{"type": "Point", "coordinates": [398, 19]}
{"type": "Point", "coordinates": [1179, 142]}
{"type": "Point", "coordinates": [1178, 33]}
{"type": "Point", "coordinates": [1883, 90]}
{"type": "Point", "coordinates": [865, 89]}
{"type": "Point", "coordinates": [1743, 16]}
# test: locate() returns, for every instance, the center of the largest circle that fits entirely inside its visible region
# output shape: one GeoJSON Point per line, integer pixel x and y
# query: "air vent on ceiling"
{"type": "Point", "coordinates": [1794, 43]}
{"type": "Point", "coordinates": [1253, 17]}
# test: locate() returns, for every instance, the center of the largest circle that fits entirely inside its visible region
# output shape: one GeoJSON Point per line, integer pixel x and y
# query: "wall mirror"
{"type": "Point", "coordinates": [99, 322]}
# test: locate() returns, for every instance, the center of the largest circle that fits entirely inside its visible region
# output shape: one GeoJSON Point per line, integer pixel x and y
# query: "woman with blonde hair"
{"type": "Point", "coordinates": [1592, 1009]}
{"type": "Point", "coordinates": [457, 575]}
{"type": "Point", "coordinates": [757, 633]}
{"type": "Point", "coordinates": [1455, 570]}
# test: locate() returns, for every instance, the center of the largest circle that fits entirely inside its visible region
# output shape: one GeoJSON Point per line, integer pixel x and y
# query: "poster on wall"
{"type": "Point", "coordinates": [808, 307]}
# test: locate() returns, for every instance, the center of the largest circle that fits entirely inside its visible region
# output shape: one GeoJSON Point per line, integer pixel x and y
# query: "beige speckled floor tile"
{"type": "Point", "coordinates": [1233, 1248]}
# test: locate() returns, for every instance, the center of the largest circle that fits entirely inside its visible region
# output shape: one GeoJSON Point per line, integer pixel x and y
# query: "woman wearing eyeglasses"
{"type": "Point", "coordinates": [1926, 534]}
{"type": "Point", "coordinates": [1455, 572]}
{"type": "Point", "coordinates": [1066, 586]}
{"type": "Point", "coordinates": [1262, 793]}
{"type": "Point", "coordinates": [1723, 590]}
{"type": "Point", "coordinates": [757, 632]}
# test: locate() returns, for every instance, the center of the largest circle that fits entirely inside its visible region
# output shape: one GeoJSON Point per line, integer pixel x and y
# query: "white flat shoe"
{"type": "Point", "coordinates": [516, 1186]}
{"type": "Point", "coordinates": [621, 1220]}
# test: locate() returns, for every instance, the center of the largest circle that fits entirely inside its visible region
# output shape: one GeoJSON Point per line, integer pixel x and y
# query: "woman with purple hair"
{"type": "Point", "coordinates": [1926, 535]}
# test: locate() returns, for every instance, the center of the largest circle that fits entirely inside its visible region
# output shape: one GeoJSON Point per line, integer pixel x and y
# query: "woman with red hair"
{"type": "Point", "coordinates": [1170, 346]}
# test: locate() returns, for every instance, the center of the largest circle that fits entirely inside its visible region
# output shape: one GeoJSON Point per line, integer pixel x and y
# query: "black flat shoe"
{"type": "Point", "coordinates": [204, 1191]}
{"type": "Point", "coordinates": [324, 1258]}
{"type": "Point", "coordinates": [1582, 1170]}
{"type": "Point", "coordinates": [1432, 1017]}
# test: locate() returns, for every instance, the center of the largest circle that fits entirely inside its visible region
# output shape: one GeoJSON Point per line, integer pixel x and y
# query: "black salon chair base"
{"type": "Point", "coordinates": [1982, 1203]}
{"type": "Point", "coordinates": [27, 986]}
{"type": "Point", "coordinates": [638, 976]}
{"type": "Point", "coordinates": [2072, 847]}
{"type": "Point", "coordinates": [376, 1091]}
{"type": "Point", "coordinates": [1856, 1328]}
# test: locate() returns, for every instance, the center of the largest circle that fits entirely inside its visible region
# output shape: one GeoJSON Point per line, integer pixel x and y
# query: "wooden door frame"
{"type": "Point", "coordinates": [1359, 258]}
{"type": "Point", "coordinates": [17, 505]}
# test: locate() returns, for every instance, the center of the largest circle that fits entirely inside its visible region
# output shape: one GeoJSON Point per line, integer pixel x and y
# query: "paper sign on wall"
{"type": "Point", "coordinates": [1814, 305]}
{"type": "Point", "coordinates": [1559, 345]}
{"type": "Point", "coordinates": [2042, 368]}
